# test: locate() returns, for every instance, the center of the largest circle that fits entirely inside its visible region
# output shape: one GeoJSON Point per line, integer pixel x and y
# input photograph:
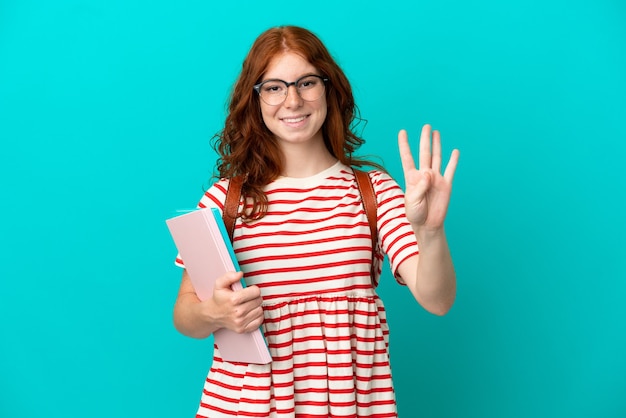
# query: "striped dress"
{"type": "Point", "coordinates": [324, 323]}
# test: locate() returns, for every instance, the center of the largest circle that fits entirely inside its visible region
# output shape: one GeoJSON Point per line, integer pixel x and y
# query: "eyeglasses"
{"type": "Point", "coordinates": [274, 92]}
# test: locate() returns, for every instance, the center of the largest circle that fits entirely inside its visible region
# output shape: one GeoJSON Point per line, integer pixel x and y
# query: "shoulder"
{"type": "Point", "coordinates": [215, 195]}
{"type": "Point", "coordinates": [383, 182]}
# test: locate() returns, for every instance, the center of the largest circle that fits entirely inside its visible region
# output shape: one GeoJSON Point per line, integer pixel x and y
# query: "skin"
{"type": "Point", "coordinates": [296, 125]}
{"type": "Point", "coordinates": [430, 276]}
{"type": "Point", "coordinates": [302, 143]}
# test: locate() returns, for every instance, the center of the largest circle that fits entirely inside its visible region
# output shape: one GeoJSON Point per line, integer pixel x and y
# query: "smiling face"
{"type": "Point", "coordinates": [295, 120]}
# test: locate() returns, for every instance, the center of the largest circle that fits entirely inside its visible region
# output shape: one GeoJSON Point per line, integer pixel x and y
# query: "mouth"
{"type": "Point", "coordinates": [294, 119]}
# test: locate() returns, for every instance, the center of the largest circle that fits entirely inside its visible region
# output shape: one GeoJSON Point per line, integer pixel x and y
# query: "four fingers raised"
{"type": "Point", "coordinates": [430, 157]}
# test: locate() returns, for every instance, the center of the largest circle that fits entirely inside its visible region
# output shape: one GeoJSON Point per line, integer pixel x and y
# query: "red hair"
{"type": "Point", "coordinates": [245, 145]}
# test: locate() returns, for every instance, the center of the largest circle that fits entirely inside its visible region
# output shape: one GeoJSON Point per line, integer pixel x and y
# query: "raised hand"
{"type": "Point", "coordinates": [427, 193]}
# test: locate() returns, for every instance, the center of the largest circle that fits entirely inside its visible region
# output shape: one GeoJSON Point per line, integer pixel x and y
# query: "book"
{"type": "Point", "coordinates": [205, 248]}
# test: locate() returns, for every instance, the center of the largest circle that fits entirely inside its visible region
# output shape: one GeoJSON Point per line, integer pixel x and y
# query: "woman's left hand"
{"type": "Point", "coordinates": [427, 193]}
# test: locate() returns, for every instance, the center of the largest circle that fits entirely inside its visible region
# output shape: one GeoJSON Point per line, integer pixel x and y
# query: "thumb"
{"type": "Point", "coordinates": [228, 279]}
{"type": "Point", "coordinates": [422, 186]}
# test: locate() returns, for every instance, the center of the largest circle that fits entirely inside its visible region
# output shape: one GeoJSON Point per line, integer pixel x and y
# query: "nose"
{"type": "Point", "coordinates": [293, 99]}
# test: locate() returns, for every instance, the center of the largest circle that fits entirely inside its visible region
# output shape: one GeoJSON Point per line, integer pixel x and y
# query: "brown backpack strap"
{"type": "Point", "coordinates": [231, 205]}
{"type": "Point", "coordinates": [368, 196]}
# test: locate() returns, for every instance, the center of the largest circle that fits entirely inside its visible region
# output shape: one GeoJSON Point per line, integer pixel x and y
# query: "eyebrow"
{"type": "Point", "coordinates": [280, 79]}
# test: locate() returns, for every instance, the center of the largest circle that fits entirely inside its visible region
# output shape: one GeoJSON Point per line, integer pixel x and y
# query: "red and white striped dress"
{"type": "Point", "coordinates": [324, 323]}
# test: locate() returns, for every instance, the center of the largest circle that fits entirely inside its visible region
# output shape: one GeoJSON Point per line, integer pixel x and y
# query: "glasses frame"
{"type": "Point", "coordinates": [257, 87]}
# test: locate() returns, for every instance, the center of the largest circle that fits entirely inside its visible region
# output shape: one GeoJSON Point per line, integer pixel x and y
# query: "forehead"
{"type": "Point", "coordinates": [288, 66]}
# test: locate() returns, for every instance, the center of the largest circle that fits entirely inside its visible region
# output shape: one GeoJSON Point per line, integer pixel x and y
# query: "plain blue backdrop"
{"type": "Point", "coordinates": [106, 112]}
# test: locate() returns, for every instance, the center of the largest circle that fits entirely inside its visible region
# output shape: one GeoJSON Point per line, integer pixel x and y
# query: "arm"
{"type": "Point", "coordinates": [430, 276]}
{"type": "Point", "coordinates": [239, 311]}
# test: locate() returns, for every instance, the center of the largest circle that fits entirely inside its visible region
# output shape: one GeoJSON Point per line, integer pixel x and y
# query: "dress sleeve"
{"type": "Point", "coordinates": [214, 197]}
{"type": "Point", "coordinates": [395, 235]}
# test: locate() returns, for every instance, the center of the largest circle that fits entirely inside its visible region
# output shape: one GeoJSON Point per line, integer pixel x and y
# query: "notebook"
{"type": "Point", "coordinates": [202, 241]}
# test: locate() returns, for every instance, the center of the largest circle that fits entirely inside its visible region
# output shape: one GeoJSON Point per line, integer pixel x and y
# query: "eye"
{"type": "Point", "coordinates": [273, 88]}
{"type": "Point", "coordinates": [308, 83]}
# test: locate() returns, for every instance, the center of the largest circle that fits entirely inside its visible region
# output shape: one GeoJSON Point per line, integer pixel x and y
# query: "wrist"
{"type": "Point", "coordinates": [426, 235]}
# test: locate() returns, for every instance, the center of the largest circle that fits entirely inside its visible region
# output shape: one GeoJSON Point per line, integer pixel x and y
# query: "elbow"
{"type": "Point", "coordinates": [440, 310]}
{"type": "Point", "coordinates": [189, 324]}
{"type": "Point", "coordinates": [184, 325]}
{"type": "Point", "coordinates": [179, 324]}
{"type": "Point", "coordinates": [190, 332]}
{"type": "Point", "coordinates": [439, 307]}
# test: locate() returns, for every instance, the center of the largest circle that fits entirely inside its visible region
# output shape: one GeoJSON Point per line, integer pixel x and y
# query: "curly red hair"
{"type": "Point", "coordinates": [245, 145]}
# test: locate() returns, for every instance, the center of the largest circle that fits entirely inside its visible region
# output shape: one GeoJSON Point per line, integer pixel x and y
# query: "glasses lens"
{"type": "Point", "coordinates": [310, 88]}
{"type": "Point", "coordinates": [273, 92]}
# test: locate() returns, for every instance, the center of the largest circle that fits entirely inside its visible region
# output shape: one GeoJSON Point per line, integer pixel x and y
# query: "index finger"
{"type": "Point", "coordinates": [405, 151]}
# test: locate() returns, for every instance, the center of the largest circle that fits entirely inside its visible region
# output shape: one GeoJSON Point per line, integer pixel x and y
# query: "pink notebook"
{"type": "Point", "coordinates": [202, 241]}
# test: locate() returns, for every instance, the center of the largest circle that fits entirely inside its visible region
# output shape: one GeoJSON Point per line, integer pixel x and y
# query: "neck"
{"type": "Point", "coordinates": [300, 162]}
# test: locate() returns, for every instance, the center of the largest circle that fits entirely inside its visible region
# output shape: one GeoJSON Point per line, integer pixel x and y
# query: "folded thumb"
{"type": "Point", "coordinates": [228, 279]}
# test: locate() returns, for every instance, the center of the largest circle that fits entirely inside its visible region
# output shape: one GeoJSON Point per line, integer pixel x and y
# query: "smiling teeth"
{"type": "Point", "coordinates": [295, 120]}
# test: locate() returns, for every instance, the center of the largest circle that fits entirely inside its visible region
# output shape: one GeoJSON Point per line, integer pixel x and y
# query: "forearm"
{"type": "Point", "coordinates": [189, 319]}
{"type": "Point", "coordinates": [435, 281]}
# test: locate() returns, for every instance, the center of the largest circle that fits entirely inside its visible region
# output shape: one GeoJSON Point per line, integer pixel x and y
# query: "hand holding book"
{"type": "Point", "coordinates": [205, 248]}
{"type": "Point", "coordinates": [238, 310]}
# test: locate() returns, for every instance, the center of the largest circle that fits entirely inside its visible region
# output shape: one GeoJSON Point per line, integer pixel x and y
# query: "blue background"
{"type": "Point", "coordinates": [106, 112]}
